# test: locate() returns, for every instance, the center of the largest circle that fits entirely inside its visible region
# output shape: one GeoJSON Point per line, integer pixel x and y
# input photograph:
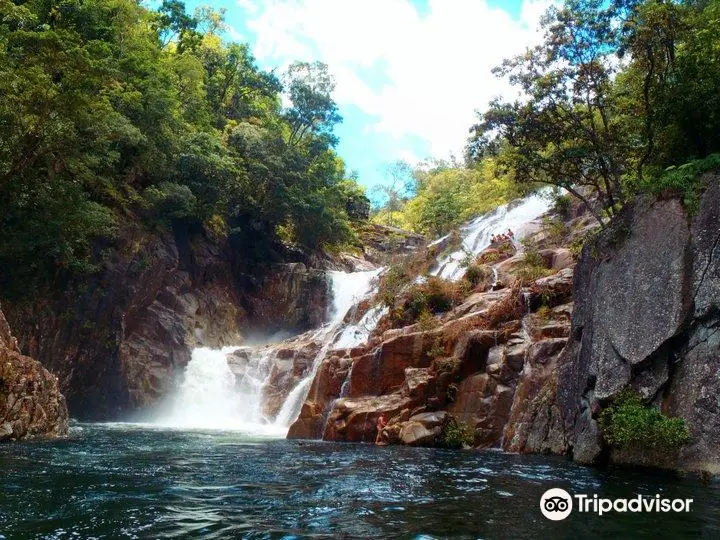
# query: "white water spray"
{"type": "Point", "coordinates": [348, 290]}
{"type": "Point", "coordinates": [477, 234]}
{"type": "Point", "coordinates": [223, 389]}
{"type": "Point", "coordinates": [212, 396]}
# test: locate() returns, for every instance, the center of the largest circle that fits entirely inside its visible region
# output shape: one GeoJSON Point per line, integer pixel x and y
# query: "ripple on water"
{"type": "Point", "coordinates": [119, 480]}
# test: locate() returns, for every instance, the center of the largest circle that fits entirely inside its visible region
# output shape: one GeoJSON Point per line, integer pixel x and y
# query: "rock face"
{"type": "Point", "coordinates": [646, 315]}
{"type": "Point", "coordinates": [641, 309]}
{"type": "Point", "coordinates": [381, 244]}
{"type": "Point", "coordinates": [471, 365]}
{"type": "Point", "coordinates": [31, 405]}
{"type": "Point", "coordinates": [119, 341]}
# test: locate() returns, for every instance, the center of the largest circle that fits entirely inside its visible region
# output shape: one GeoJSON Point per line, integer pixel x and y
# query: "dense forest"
{"type": "Point", "coordinates": [620, 98]}
{"type": "Point", "coordinates": [112, 111]}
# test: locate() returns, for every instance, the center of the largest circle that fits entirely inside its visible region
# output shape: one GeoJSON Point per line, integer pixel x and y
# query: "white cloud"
{"type": "Point", "coordinates": [409, 157]}
{"type": "Point", "coordinates": [437, 65]}
{"type": "Point", "coordinates": [234, 34]}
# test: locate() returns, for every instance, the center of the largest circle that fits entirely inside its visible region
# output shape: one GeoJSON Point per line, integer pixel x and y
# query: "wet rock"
{"type": "Point", "coordinates": [355, 419]}
{"type": "Point", "coordinates": [291, 297]}
{"type": "Point", "coordinates": [31, 405]}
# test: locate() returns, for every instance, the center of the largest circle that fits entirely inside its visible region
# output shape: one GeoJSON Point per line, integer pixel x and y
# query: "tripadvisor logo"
{"type": "Point", "coordinates": [556, 504]}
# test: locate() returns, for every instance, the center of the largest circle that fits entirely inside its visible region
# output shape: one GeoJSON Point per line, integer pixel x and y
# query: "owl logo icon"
{"type": "Point", "coordinates": [556, 504]}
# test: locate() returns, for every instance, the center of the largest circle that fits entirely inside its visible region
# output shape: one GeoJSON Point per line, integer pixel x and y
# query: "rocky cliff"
{"type": "Point", "coordinates": [119, 340]}
{"type": "Point", "coordinates": [531, 366]}
{"type": "Point", "coordinates": [472, 362]}
{"type": "Point", "coordinates": [31, 405]}
{"type": "Point", "coordinates": [647, 315]}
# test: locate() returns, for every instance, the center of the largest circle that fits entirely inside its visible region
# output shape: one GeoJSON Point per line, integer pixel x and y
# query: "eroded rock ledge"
{"type": "Point", "coordinates": [31, 405]}
{"type": "Point", "coordinates": [641, 309]}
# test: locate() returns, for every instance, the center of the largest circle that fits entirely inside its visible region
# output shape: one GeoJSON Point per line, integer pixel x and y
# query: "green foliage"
{"type": "Point", "coordinates": [475, 274]}
{"type": "Point", "coordinates": [556, 230]}
{"type": "Point", "coordinates": [563, 206]}
{"type": "Point", "coordinates": [456, 434]}
{"type": "Point", "coordinates": [628, 422]}
{"type": "Point", "coordinates": [686, 179]}
{"type": "Point", "coordinates": [107, 99]}
{"type": "Point", "coordinates": [533, 266]}
{"type": "Point", "coordinates": [443, 196]}
{"type": "Point", "coordinates": [417, 300]}
{"type": "Point", "coordinates": [544, 313]}
{"type": "Point", "coordinates": [436, 350]}
{"type": "Point", "coordinates": [576, 246]}
{"type": "Point", "coordinates": [392, 282]}
{"type": "Point", "coordinates": [171, 203]}
{"type": "Point", "coordinates": [436, 295]}
{"type": "Point", "coordinates": [615, 99]}
{"type": "Point", "coordinates": [427, 321]}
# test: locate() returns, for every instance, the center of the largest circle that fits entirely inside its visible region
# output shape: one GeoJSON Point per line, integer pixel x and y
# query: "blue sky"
{"type": "Point", "coordinates": [410, 73]}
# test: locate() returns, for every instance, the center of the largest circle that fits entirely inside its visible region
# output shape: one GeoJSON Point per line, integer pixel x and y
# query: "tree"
{"type": "Point", "coordinates": [617, 92]}
{"type": "Point", "coordinates": [562, 131]}
{"type": "Point", "coordinates": [399, 186]}
{"type": "Point", "coordinates": [175, 25]}
{"type": "Point", "coordinates": [309, 87]}
{"type": "Point", "coordinates": [112, 112]}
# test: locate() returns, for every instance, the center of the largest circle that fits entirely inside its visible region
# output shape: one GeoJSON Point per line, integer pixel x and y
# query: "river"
{"type": "Point", "coordinates": [135, 481]}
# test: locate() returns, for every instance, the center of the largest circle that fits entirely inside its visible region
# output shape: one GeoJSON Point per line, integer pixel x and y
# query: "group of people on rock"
{"type": "Point", "coordinates": [502, 237]}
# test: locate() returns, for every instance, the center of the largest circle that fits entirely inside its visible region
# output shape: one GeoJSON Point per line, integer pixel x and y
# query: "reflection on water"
{"type": "Point", "coordinates": [122, 481]}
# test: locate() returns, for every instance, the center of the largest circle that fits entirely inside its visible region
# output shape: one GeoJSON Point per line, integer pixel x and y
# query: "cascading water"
{"type": "Point", "coordinates": [348, 290]}
{"type": "Point", "coordinates": [212, 396]}
{"type": "Point", "coordinates": [476, 235]}
{"type": "Point", "coordinates": [223, 389]}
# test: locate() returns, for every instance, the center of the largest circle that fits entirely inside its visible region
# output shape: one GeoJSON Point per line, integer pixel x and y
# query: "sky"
{"type": "Point", "coordinates": [410, 73]}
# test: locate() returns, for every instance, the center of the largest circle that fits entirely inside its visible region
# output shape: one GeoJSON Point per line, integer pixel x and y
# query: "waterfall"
{"type": "Point", "coordinates": [223, 389]}
{"type": "Point", "coordinates": [226, 388]}
{"type": "Point", "coordinates": [476, 235]}
{"type": "Point", "coordinates": [348, 290]}
{"type": "Point", "coordinates": [212, 396]}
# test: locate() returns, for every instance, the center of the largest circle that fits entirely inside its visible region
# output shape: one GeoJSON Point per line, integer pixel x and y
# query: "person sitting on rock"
{"type": "Point", "coordinates": [381, 423]}
{"type": "Point", "coordinates": [510, 234]}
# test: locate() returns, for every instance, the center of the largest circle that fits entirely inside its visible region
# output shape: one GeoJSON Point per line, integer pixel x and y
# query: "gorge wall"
{"type": "Point", "coordinates": [530, 367]}
{"type": "Point", "coordinates": [31, 405]}
{"type": "Point", "coordinates": [647, 315]}
{"type": "Point", "coordinates": [120, 340]}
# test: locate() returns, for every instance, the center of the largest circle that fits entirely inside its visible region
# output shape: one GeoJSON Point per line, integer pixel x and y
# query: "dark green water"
{"type": "Point", "coordinates": [119, 481]}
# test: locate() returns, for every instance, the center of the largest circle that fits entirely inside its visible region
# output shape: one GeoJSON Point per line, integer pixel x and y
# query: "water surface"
{"type": "Point", "coordinates": [124, 481]}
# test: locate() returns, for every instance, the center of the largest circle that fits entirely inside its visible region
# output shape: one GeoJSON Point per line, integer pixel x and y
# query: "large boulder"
{"type": "Point", "coordinates": [31, 405]}
{"type": "Point", "coordinates": [423, 429]}
{"type": "Point", "coordinates": [646, 315]}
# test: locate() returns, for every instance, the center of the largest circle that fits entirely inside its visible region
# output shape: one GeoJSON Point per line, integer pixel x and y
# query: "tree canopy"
{"type": "Point", "coordinates": [616, 93]}
{"type": "Point", "coordinates": [112, 109]}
